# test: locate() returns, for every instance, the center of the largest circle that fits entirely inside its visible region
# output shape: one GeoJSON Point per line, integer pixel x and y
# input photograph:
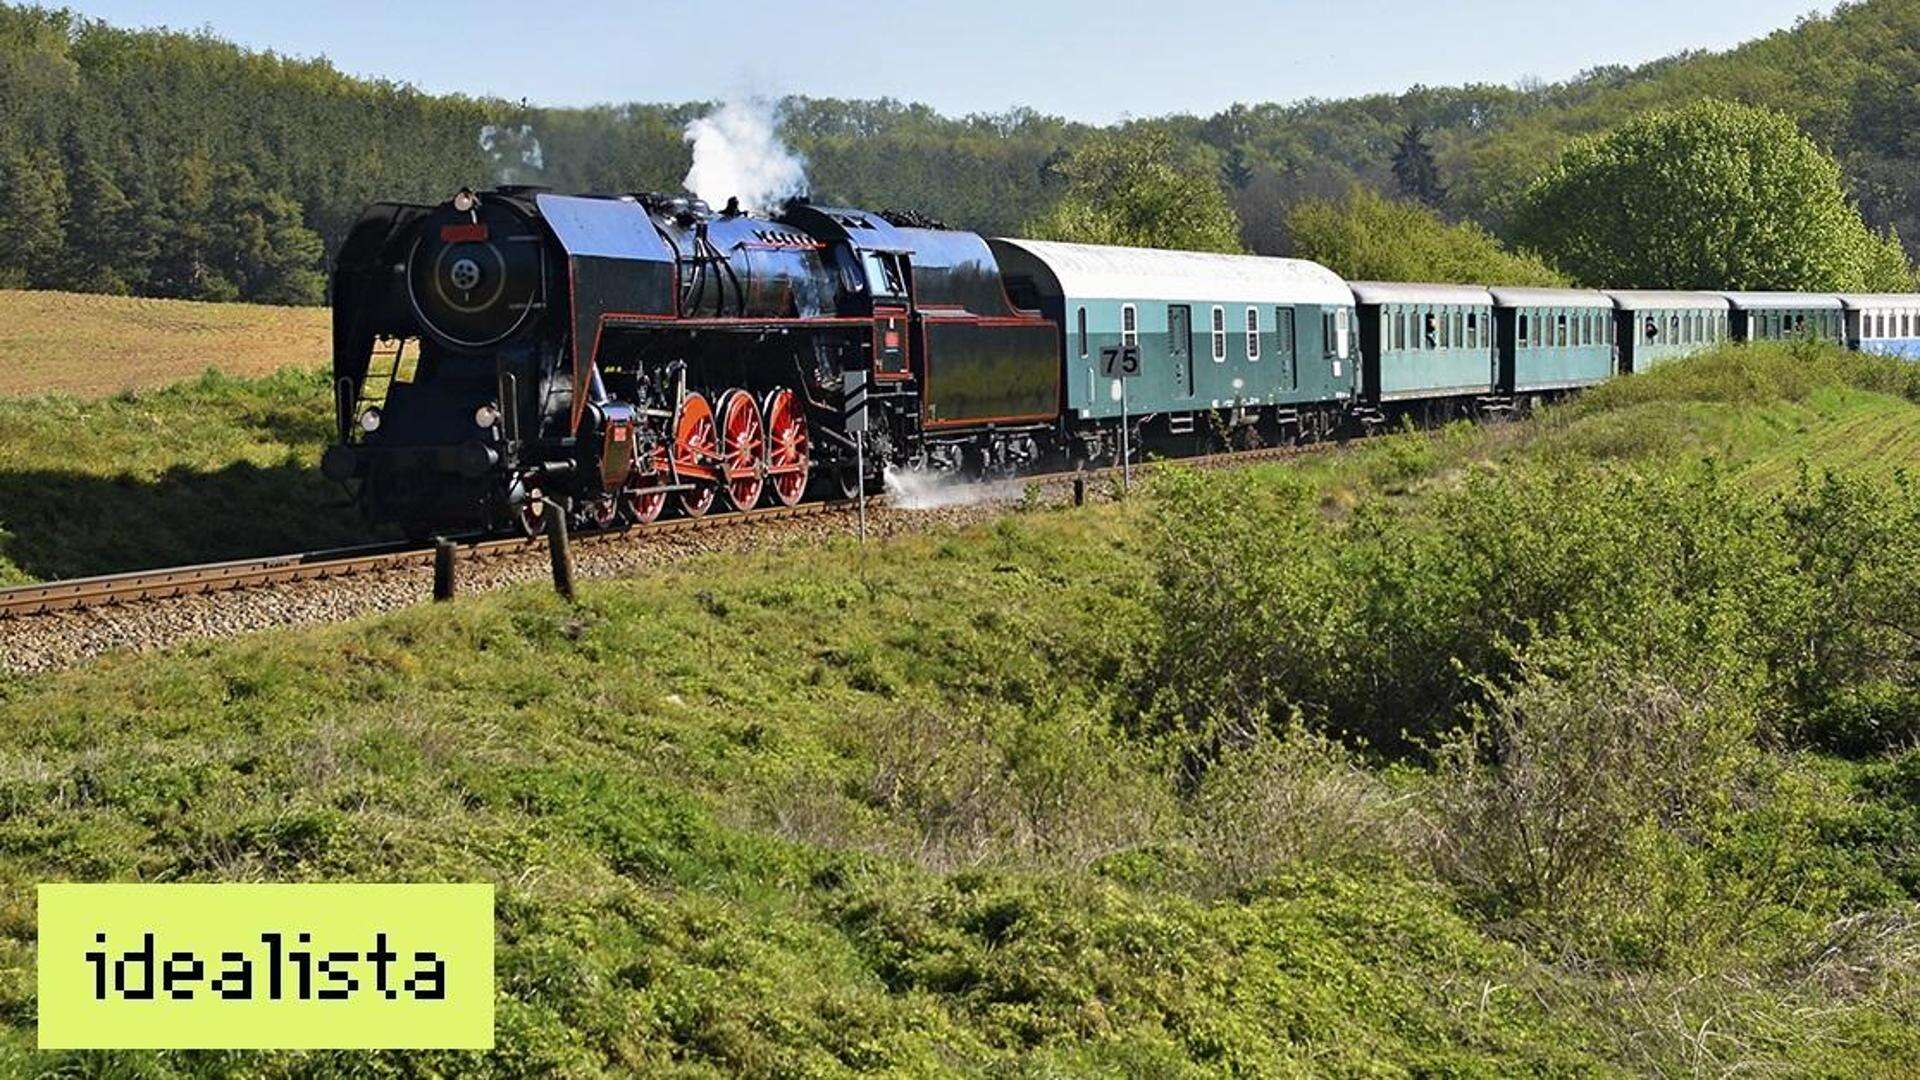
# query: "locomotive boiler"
{"type": "Point", "coordinates": [512, 352]}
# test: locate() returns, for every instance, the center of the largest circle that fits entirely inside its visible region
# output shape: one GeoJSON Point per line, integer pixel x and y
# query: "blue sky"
{"type": "Point", "coordinates": [1087, 59]}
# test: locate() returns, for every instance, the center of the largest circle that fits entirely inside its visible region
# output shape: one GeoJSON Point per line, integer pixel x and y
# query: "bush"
{"type": "Point", "coordinates": [1547, 799]}
{"type": "Point", "coordinates": [1383, 627]}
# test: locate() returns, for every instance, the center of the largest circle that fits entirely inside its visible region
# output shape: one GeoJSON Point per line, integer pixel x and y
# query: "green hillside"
{"type": "Point", "coordinates": [994, 803]}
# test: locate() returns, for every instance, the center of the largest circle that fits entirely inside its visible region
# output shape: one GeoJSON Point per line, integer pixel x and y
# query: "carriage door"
{"type": "Point", "coordinates": [1180, 349]}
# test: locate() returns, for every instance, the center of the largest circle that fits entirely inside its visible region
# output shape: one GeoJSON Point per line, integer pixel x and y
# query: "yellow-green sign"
{"type": "Point", "coordinates": [266, 966]}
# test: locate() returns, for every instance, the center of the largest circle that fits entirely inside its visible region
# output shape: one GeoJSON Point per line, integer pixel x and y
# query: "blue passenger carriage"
{"type": "Point", "coordinates": [1658, 326]}
{"type": "Point", "coordinates": [1425, 347]}
{"type": "Point", "coordinates": [1785, 316]}
{"type": "Point", "coordinates": [1257, 341]}
{"type": "Point", "coordinates": [1552, 340]}
{"type": "Point", "coordinates": [1886, 323]}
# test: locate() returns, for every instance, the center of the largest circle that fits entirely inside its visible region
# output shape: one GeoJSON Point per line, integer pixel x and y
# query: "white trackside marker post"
{"type": "Point", "coordinates": [860, 472]}
{"type": "Point", "coordinates": [1122, 364]}
{"type": "Point", "coordinates": [856, 425]}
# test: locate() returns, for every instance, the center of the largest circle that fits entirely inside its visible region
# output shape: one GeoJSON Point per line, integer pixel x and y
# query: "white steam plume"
{"type": "Point", "coordinates": [737, 152]}
{"type": "Point", "coordinates": [911, 490]}
{"type": "Point", "coordinates": [512, 152]}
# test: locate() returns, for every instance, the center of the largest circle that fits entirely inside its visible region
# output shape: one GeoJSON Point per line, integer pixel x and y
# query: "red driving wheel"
{"type": "Point", "coordinates": [640, 499]}
{"type": "Point", "coordinates": [695, 453]}
{"type": "Point", "coordinates": [741, 442]}
{"type": "Point", "coordinates": [789, 451]}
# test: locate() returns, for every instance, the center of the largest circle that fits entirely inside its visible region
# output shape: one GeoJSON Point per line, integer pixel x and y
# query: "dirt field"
{"type": "Point", "coordinates": [92, 346]}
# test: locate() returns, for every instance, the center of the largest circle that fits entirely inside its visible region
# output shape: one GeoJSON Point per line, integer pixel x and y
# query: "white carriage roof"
{"type": "Point", "coordinates": [1387, 292]}
{"type": "Point", "coordinates": [1096, 272]}
{"type": "Point", "coordinates": [1775, 301]}
{"type": "Point", "coordinates": [1650, 300]}
{"type": "Point", "coordinates": [1515, 296]}
{"type": "Point", "coordinates": [1858, 301]}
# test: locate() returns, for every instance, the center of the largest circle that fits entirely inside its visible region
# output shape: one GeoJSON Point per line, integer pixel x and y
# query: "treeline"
{"type": "Point", "coordinates": [176, 164]}
{"type": "Point", "coordinates": [173, 164]}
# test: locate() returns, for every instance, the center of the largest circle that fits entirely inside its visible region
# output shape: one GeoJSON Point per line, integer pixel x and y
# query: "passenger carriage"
{"type": "Point", "coordinates": [1552, 340]}
{"type": "Point", "coordinates": [1886, 323]}
{"type": "Point", "coordinates": [1653, 327]}
{"type": "Point", "coordinates": [1428, 348]}
{"type": "Point", "coordinates": [1784, 316]}
{"type": "Point", "coordinates": [1253, 340]}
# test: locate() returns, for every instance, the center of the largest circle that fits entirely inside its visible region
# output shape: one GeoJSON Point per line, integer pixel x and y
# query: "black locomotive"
{"type": "Point", "coordinates": [615, 355]}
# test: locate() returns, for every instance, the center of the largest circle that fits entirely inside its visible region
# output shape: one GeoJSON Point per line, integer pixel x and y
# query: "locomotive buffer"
{"type": "Point", "coordinates": [1122, 362]}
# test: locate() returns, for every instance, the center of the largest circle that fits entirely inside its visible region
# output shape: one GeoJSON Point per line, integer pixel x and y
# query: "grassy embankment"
{"type": "Point", "coordinates": [138, 433]}
{"type": "Point", "coordinates": [948, 804]}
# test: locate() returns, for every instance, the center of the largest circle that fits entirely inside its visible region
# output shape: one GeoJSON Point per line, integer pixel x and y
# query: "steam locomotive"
{"type": "Point", "coordinates": [514, 353]}
{"type": "Point", "coordinates": [616, 356]}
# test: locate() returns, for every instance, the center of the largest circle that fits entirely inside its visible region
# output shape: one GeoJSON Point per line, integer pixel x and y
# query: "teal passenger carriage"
{"type": "Point", "coordinates": [1658, 326]}
{"type": "Point", "coordinates": [1424, 342]}
{"type": "Point", "coordinates": [1551, 340]}
{"type": "Point", "coordinates": [1261, 339]}
{"type": "Point", "coordinates": [1784, 316]}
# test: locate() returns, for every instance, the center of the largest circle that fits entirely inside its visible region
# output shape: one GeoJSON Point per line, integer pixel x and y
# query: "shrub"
{"type": "Point", "coordinates": [1563, 777]}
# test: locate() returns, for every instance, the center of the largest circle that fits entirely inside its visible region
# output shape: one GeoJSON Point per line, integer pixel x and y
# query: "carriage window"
{"type": "Point", "coordinates": [1699, 326]}
{"type": "Point", "coordinates": [1129, 325]}
{"type": "Point", "coordinates": [1219, 335]}
{"type": "Point", "coordinates": [1083, 333]}
{"type": "Point", "coordinates": [1399, 338]}
{"type": "Point", "coordinates": [1459, 329]}
{"type": "Point", "coordinates": [1473, 329]}
{"type": "Point", "coordinates": [1521, 324]}
{"type": "Point", "coordinates": [1253, 333]}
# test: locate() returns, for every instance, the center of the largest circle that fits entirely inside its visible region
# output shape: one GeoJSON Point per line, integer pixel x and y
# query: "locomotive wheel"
{"type": "Point", "coordinates": [789, 451]}
{"type": "Point", "coordinates": [600, 512]}
{"type": "Point", "coordinates": [695, 452]}
{"type": "Point", "coordinates": [532, 515]}
{"type": "Point", "coordinates": [637, 504]}
{"type": "Point", "coordinates": [743, 439]}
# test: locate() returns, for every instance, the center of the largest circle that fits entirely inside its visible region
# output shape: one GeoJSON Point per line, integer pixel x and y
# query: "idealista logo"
{"type": "Point", "coordinates": [266, 966]}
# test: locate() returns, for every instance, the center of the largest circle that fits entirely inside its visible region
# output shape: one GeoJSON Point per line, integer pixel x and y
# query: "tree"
{"type": "Point", "coordinates": [33, 199]}
{"type": "Point", "coordinates": [1415, 170]}
{"type": "Point", "coordinates": [104, 251]}
{"type": "Point", "coordinates": [1137, 189]}
{"type": "Point", "coordinates": [1714, 195]}
{"type": "Point", "coordinates": [1368, 237]}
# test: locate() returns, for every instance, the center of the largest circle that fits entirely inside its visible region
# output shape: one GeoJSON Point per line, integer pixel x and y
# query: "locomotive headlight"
{"type": "Point", "coordinates": [465, 201]}
{"type": "Point", "coordinates": [370, 421]}
{"type": "Point", "coordinates": [486, 416]}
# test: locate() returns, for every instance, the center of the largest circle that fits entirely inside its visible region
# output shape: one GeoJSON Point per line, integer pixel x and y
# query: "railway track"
{"type": "Point", "coordinates": [75, 594]}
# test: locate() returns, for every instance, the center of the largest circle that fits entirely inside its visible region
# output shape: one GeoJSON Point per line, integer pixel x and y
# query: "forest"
{"type": "Point", "coordinates": [175, 164]}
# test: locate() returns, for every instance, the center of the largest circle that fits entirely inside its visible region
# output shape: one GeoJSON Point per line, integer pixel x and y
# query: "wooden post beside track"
{"type": "Point", "coordinates": [1080, 491]}
{"type": "Point", "coordinates": [443, 577]}
{"type": "Point", "coordinates": [560, 548]}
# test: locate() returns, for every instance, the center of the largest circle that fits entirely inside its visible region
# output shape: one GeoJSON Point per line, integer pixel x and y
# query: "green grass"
{"type": "Point", "coordinates": [215, 468]}
{"type": "Point", "coordinates": [870, 810]}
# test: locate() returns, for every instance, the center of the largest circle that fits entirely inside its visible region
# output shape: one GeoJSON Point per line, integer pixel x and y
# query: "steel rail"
{"type": "Point", "coordinates": [74, 594]}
